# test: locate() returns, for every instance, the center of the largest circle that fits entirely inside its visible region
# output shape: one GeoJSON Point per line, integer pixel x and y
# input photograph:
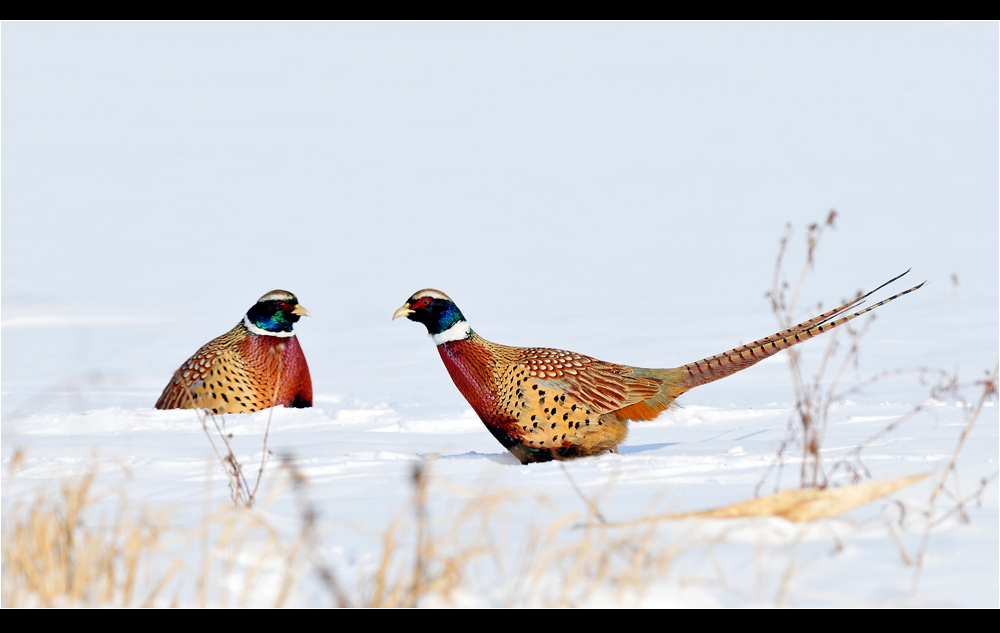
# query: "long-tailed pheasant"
{"type": "Point", "coordinates": [256, 365]}
{"type": "Point", "coordinates": [544, 404]}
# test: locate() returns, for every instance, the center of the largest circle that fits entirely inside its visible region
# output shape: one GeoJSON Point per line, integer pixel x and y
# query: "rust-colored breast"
{"type": "Point", "coordinates": [471, 367]}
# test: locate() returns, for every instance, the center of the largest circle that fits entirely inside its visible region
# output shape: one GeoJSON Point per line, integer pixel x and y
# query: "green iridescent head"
{"type": "Point", "coordinates": [274, 314]}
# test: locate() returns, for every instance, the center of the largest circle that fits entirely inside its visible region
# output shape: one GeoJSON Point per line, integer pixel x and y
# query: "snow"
{"type": "Point", "coordinates": [617, 190]}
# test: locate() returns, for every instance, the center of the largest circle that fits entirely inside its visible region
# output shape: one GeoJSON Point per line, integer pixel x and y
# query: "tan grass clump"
{"type": "Point", "coordinates": [56, 555]}
{"type": "Point", "coordinates": [69, 550]}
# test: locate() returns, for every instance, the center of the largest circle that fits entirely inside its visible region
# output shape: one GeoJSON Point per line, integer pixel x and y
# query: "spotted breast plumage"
{"type": "Point", "coordinates": [544, 404]}
{"type": "Point", "coordinates": [257, 364]}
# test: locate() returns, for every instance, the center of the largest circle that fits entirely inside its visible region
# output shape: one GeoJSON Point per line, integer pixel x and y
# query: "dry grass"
{"type": "Point", "coordinates": [55, 553]}
{"type": "Point", "coordinates": [437, 559]}
{"type": "Point", "coordinates": [428, 559]}
{"type": "Point", "coordinates": [800, 506]}
{"type": "Point", "coordinates": [58, 552]}
{"type": "Point", "coordinates": [949, 485]}
{"type": "Point", "coordinates": [814, 397]}
{"type": "Point", "coordinates": [68, 550]}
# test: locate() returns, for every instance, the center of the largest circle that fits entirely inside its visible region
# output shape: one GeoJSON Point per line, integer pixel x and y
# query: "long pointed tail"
{"type": "Point", "coordinates": [722, 365]}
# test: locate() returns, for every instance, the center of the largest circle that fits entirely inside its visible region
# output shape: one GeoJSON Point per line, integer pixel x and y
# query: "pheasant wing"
{"type": "Point", "coordinates": [600, 386]}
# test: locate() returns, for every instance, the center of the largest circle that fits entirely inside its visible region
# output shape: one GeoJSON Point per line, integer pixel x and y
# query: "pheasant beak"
{"type": "Point", "coordinates": [402, 312]}
{"type": "Point", "coordinates": [301, 311]}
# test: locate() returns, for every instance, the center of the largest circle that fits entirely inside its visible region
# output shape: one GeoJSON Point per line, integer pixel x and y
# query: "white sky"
{"type": "Point", "coordinates": [534, 172]}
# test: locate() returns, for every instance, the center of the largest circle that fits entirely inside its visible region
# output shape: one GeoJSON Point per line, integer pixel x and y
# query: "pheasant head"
{"type": "Point", "coordinates": [439, 314]}
{"type": "Point", "coordinates": [274, 314]}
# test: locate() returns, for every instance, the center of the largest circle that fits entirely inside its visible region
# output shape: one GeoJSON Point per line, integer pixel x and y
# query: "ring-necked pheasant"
{"type": "Point", "coordinates": [256, 365]}
{"type": "Point", "coordinates": [545, 404]}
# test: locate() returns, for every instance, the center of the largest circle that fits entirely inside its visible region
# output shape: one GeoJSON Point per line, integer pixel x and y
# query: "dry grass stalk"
{"type": "Point", "coordinates": [239, 486]}
{"type": "Point", "coordinates": [851, 460]}
{"type": "Point", "coordinates": [274, 351]}
{"type": "Point", "coordinates": [989, 387]}
{"type": "Point", "coordinates": [803, 505]}
{"type": "Point", "coordinates": [812, 402]}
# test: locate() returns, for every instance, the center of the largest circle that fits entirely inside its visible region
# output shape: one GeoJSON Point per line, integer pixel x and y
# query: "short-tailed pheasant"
{"type": "Point", "coordinates": [256, 365]}
{"type": "Point", "coordinates": [544, 404]}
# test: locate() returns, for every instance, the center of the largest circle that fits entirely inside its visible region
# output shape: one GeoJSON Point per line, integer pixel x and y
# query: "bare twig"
{"type": "Point", "coordinates": [229, 463]}
{"type": "Point", "coordinates": [239, 485]}
{"type": "Point", "coordinates": [989, 392]}
{"type": "Point", "coordinates": [811, 405]}
{"type": "Point", "coordinates": [270, 415]}
{"type": "Point", "coordinates": [592, 508]}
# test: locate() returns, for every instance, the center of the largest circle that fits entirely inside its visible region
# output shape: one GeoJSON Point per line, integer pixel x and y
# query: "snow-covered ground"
{"type": "Point", "coordinates": [358, 458]}
{"type": "Point", "coordinates": [617, 190]}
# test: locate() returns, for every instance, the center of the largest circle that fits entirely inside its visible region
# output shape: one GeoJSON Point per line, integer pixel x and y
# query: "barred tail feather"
{"type": "Point", "coordinates": [722, 365]}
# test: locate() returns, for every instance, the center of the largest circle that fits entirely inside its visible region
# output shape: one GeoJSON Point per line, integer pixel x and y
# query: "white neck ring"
{"type": "Point", "coordinates": [458, 332]}
{"type": "Point", "coordinates": [256, 330]}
